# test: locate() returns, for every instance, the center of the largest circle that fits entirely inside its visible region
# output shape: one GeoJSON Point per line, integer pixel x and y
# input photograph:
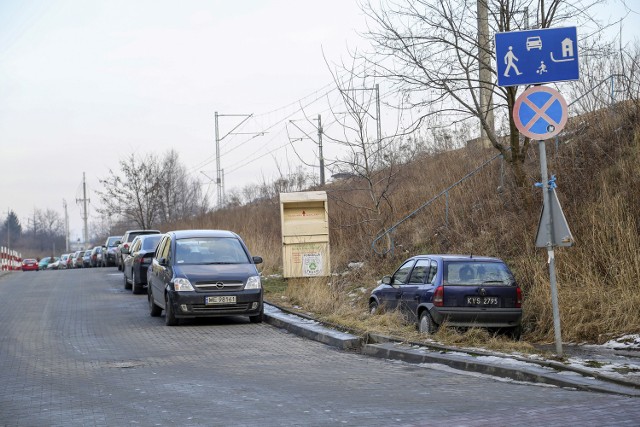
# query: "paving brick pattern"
{"type": "Point", "coordinates": [76, 349]}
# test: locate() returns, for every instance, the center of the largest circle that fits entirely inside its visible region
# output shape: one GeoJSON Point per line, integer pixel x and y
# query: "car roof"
{"type": "Point", "coordinates": [457, 257]}
{"type": "Point", "coordinates": [185, 234]}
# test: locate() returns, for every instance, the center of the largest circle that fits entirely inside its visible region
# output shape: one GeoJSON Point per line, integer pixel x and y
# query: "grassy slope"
{"type": "Point", "coordinates": [598, 172]}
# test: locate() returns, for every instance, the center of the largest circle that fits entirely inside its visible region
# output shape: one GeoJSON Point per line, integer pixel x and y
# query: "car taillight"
{"type": "Point", "coordinates": [518, 297]}
{"type": "Point", "coordinates": [438, 296]}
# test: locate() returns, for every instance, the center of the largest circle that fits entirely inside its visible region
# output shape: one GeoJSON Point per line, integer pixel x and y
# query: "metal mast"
{"type": "Point", "coordinates": [85, 213]}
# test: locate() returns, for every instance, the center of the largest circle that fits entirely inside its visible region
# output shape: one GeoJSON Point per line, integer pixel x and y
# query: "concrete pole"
{"type": "Point", "coordinates": [218, 170]}
{"type": "Point", "coordinates": [484, 72]}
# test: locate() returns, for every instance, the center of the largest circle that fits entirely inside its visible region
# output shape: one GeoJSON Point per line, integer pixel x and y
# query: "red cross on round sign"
{"type": "Point", "coordinates": [540, 112]}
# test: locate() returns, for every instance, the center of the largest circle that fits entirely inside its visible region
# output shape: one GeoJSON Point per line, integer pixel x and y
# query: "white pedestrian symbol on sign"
{"type": "Point", "coordinates": [508, 60]}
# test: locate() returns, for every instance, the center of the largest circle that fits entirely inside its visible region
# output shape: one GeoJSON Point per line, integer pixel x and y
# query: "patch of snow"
{"type": "Point", "coordinates": [627, 342]}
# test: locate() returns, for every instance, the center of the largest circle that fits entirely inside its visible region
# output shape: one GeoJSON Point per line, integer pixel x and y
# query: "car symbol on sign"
{"type": "Point", "coordinates": [534, 42]}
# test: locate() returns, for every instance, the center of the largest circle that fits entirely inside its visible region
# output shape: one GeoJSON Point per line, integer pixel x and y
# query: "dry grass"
{"type": "Point", "coordinates": [599, 188]}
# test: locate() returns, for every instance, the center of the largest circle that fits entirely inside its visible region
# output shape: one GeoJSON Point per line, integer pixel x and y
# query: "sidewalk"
{"type": "Point", "coordinates": [589, 368]}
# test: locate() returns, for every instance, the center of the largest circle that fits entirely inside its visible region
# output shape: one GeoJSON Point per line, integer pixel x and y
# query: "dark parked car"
{"type": "Point", "coordinates": [137, 260]}
{"type": "Point", "coordinates": [464, 291]}
{"type": "Point", "coordinates": [86, 258]}
{"type": "Point", "coordinates": [204, 273]}
{"type": "Point", "coordinates": [109, 249]}
{"type": "Point", "coordinates": [127, 238]}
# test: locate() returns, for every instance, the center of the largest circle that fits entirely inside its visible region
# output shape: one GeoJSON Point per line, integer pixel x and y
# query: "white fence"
{"type": "Point", "coordinates": [9, 259]}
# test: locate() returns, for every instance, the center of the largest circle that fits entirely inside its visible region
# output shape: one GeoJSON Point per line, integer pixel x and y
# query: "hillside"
{"type": "Point", "coordinates": [597, 165]}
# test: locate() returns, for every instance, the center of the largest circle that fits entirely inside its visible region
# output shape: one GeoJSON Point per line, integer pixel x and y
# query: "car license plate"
{"type": "Point", "coordinates": [229, 299]}
{"type": "Point", "coordinates": [482, 300]}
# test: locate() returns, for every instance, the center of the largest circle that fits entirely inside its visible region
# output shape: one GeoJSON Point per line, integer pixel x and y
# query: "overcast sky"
{"type": "Point", "coordinates": [85, 83]}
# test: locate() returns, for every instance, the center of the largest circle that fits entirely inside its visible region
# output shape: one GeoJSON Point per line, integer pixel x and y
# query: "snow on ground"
{"type": "Point", "coordinates": [629, 342]}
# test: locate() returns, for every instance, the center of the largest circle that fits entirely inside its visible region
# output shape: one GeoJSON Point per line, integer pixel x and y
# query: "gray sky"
{"type": "Point", "coordinates": [84, 83]}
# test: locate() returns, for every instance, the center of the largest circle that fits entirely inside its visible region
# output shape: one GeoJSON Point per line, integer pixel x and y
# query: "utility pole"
{"type": "Point", "coordinates": [85, 213]}
{"type": "Point", "coordinates": [320, 155]}
{"type": "Point", "coordinates": [219, 170]}
{"type": "Point", "coordinates": [320, 149]}
{"type": "Point", "coordinates": [66, 225]}
{"type": "Point", "coordinates": [484, 72]}
{"type": "Point", "coordinates": [8, 230]}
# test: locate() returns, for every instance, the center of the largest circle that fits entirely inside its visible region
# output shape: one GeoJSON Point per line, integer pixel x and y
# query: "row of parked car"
{"type": "Point", "coordinates": [205, 273]}
{"type": "Point", "coordinates": [78, 259]}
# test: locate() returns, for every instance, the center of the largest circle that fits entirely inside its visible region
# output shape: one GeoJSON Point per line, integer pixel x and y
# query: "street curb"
{"type": "Point", "coordinates": [311, 329]}
{"type": "Point", "coordinates": [531, 373]}
{"type": "Point", "coordinates": [376, 345]}
{"type": "Point", "coordinates": [558, 366]}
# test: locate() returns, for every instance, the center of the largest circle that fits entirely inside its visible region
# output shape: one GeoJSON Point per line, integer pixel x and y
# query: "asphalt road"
{"type": "Point", "coordinates": [76, 349]}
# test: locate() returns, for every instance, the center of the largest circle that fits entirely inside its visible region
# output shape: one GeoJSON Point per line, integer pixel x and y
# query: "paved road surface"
{"type": "Point", "coordinates": [76, 349]}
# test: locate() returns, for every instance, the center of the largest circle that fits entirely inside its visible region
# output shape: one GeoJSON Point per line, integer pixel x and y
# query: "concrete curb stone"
{"type": "Point", "coordinates": [483, 362]}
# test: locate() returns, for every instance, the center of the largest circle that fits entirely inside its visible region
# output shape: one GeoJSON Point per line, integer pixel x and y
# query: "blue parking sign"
{"type": "Point", "coordinates": [537, 56]}
{"type": "Point", "coordinates": [540, 112]}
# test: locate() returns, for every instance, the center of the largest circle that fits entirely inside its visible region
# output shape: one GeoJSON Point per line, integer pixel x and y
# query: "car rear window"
{"type": "Point", "coordinates": [477, 272]}
{"type": "Point", "coordinates": [150, 243]}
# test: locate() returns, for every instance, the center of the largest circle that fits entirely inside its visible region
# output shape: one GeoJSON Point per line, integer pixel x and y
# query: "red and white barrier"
{"type": "Point", "coordinates": [10, 260]}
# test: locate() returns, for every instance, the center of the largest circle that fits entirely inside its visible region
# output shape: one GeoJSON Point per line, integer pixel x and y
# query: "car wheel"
{"type": "Point", "coordinates": [127, 285]}
{"type": "Point", "coordinates": [169, 315]}
{"type": "Point", "coordinates": [154, 310]}
{"type": "Point", "coordinates": [374, 308]}
{"type": "Point", "coordinates": [136, 288]}
{"type": "Point", "coordinates": [425, 324]}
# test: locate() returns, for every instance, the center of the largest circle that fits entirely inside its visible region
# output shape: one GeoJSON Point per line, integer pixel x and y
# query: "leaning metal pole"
{"type": "Point", "coordinates": [547, 222]}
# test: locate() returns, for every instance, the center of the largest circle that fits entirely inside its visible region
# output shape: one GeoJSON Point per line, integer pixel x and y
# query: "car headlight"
{"type": "Point", "coordinates": [253, 282]}
{"type": "Point", "coordinates": [181, 284]}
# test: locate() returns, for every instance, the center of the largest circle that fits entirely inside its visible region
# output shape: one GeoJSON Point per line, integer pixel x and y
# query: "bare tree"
{"type": "Point", "coordinates": [368, 158]}
{"type": "Point", "coordinates": [432, 51]}
{"type": "Point", "coordinates": [134, 193]}
{"type": "Point", "coordinates": [608, 79]}
{"type": "Point", "coordinates": [179, 196]}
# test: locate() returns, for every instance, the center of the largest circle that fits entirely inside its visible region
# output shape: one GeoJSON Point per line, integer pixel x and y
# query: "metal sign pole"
{"type": "Point", "coordinates": [547, 224]}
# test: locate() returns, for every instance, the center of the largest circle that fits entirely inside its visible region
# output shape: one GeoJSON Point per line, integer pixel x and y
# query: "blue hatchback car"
{"type": "Point", "coordinates": [464, 291]}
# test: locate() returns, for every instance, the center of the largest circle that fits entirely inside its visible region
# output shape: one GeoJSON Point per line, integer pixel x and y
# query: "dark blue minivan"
{"type": "Point", "coordinates": [204, 273]}
{"type": "Point", "coordinates": [462, 290]}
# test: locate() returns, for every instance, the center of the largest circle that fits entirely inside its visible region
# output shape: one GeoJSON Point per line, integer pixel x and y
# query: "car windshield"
{"type": "Point", "coordinates": [112, 241]}
{"type": "Point", "coordinates": [477, 272]}
{"type": "Point", "coordinates": [210, 250]}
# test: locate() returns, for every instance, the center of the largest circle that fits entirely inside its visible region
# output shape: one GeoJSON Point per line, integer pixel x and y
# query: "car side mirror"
{"type": "Point", "coordinates": [386, 280]}
{"type": "Point", "coordinates": [257, 260]}
{"type": "Point", "coordinates": [162, 261]}
{"type": "Point", "coordinates": [124, 250]}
